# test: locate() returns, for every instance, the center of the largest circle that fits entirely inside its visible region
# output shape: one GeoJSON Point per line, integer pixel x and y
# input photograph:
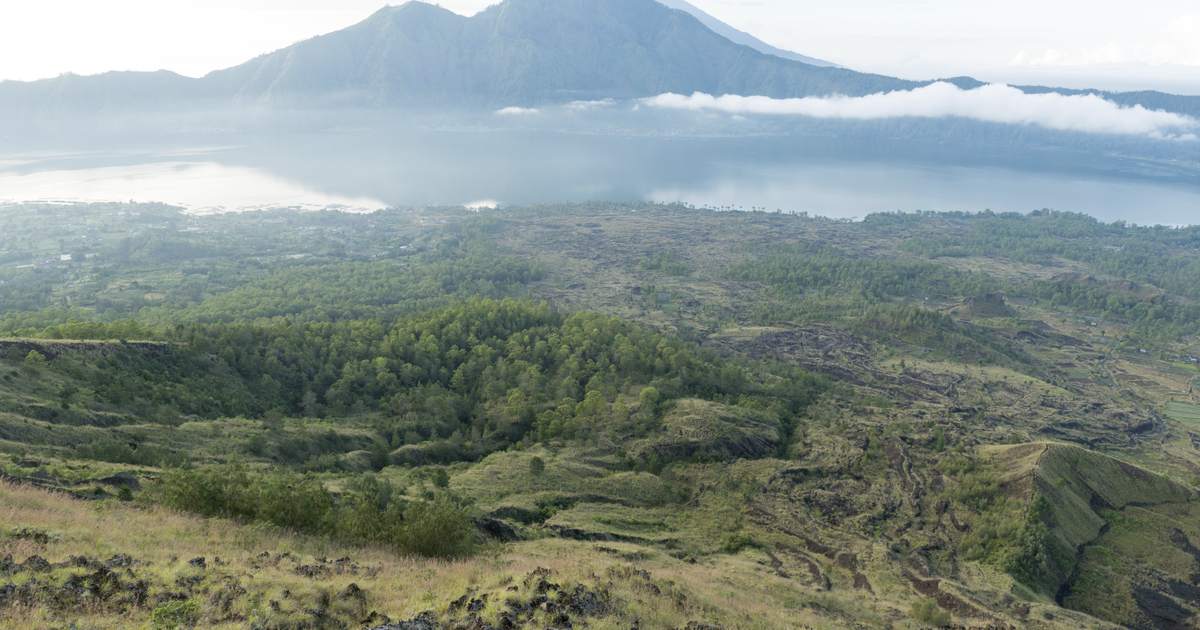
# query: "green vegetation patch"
{"type": "Point", "coordinates": [1034, 537]}
{"type": "Point", "coordinates": [702, 430]}
{"type": "Point", "coordinates": [1187, 413]}
{"type": "Point", "coordinates": [1101, 589]}
{"type": "Point", "coordinates": [437, 526]}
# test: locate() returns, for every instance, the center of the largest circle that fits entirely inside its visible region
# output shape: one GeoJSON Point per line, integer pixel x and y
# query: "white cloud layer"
{"type": "Point", "coordinates": [516, 111]}
{"type": "Point", "coordinates": [992, 103]}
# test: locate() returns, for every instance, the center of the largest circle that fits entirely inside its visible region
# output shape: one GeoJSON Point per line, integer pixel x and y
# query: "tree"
{"type": "Point", "coordinates": [309, 402]}
{"type": "Point", "coordinates": [536, 466]}
{"type": "Point", "coordinates": [379, 455]}
{"type": "Point", "coordinates": [441, 478]}
{"type": "Point", "coordinates": [648, 399]}
{"type": "Point", "coordinates": [35, 359]}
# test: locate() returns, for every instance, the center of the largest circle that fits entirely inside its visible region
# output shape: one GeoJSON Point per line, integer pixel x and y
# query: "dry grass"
{"type": "Point", "coordinates": [731, 591]}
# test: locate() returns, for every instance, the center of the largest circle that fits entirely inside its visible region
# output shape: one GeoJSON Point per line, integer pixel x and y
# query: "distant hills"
{"type": "Point", "coordinates": [517, 53]}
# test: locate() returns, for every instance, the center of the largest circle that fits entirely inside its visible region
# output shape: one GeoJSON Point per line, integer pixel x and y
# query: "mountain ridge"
{"type": "Point", "coordinates": [523, 53]}
{"type": "Point", "coordinates": [741, 37]}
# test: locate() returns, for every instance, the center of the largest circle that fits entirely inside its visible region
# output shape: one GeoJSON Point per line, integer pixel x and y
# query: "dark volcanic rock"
{"type": "Point", "coordinates": [122, 478]}
{"type": "Point", "coordinates": [497, 529]}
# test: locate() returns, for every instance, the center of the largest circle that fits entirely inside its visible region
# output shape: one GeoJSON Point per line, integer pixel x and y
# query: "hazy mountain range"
{"type": "Point", "coordinates": [519, 53]}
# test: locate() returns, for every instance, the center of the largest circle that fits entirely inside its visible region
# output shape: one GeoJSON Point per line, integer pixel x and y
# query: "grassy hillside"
{"type": "Point", "coordinates": [785, 421]}
{"type": "Point", "coordinates": [111, 565]}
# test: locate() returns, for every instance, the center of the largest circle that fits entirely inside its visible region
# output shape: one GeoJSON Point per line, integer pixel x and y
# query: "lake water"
{"type": "Point", "coordinates": [363, 171]}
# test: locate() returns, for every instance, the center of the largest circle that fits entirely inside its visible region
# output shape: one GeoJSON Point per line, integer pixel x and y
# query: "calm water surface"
{"type": "Point", "coordinates": [822, 176]}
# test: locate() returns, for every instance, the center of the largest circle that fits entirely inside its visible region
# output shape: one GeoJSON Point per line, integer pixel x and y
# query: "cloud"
{"type": "Point", "coordinates": [1178, 43]}
{"type": "Point", "coordinates": [993, 103]}
{"type": "Point", "coordinates": [586, 105]}
{"type": "Point", "coordinates": [516, 111]}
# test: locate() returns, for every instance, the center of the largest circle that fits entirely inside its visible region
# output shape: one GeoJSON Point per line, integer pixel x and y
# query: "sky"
{"type": "Point", "coordinates": [1108, 44]}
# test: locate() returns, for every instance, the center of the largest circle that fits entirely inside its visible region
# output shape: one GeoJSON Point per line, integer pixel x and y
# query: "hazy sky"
{"type": "Point", "coordinates": [1153, 44]}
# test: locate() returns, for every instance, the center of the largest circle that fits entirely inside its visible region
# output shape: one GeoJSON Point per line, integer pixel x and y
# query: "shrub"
{"type": "Point", "coordinates": [438, 529]}
{"type": "Point", "coordinates": [212, 491]}
{"type": "Point", "coordinates": [734, 543]}
{"type": "Point", "coordinates": [35, 359]}
{"type": "Point", "coordinates": [437, 526]}
{"type": "Point", "coordinates": [926, 611]}
{"type": "Point", "coordinates": [285, 501]}
{"type": "Point", "coordinates": [256, 445]}
{"type": "Point", "coordinates": [360, 519]}
{"type": "Point", "coordinates": [109, 450]}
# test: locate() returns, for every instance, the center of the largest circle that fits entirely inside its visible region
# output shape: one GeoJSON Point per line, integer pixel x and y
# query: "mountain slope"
{"type": "Point", "coordinates": [742, 37]}
{"type": "Point", "coordinates": [527, 52]}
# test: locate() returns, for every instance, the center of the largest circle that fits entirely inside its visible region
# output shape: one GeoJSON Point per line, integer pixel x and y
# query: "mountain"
{"type": "Point", "coordinates": [742, 37]}
{"type": "Point", "coordinates": [516, 53]}
{"type": "Point", "coordinates": [523, 53]}
{"type": "Point", "coordinates": [527, 53]}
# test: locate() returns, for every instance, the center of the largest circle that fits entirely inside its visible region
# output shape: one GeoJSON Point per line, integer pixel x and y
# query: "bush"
{"type": "Point", "coordinates": [438, 529]}
{"type": "Point", "coordinates": [927, 612]}
{"type": "Point", "coordinates": [734, 543]}
{"type": "Point", "coordinates": [302, 504]}
{"type": "Point", "coordinates": [35, 359]}
{"type": "Point", "coordinates": [109, 450]}
{"type": "Point", "coordinates": [212, 491]}
{"type": "Point", "coordinates": [437, 526]}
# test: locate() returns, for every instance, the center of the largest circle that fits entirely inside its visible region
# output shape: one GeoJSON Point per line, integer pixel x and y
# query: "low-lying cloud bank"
{"type": "Point", "coordinates": [993, 103]}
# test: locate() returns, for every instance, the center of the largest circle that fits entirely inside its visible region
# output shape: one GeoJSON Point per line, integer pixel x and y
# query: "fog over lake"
{"type": "Point", "coordinates": [366, 170]}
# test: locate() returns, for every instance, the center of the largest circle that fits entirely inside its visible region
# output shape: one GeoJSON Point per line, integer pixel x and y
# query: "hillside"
{"type": "Point", "coordinates": [745, 420]}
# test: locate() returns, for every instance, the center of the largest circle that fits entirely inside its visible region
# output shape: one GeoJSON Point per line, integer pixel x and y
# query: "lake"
{"type": "Point", "coordinates": [365, 170]}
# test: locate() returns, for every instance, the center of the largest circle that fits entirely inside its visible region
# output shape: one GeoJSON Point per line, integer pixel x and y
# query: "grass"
{"type": "Point", "coordinates": [1187, 413]}
{"type": "Point", "coordinates": [504, 479]}
{"type": "Point", "coordinates": [1101, 591]}
{"type": "Point", "coordinates": [728, 591]}
{"type": "Point", "coordinates": [1143, 535]}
